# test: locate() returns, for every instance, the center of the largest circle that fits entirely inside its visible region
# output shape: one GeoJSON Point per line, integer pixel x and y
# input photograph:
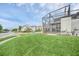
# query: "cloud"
{"type": "Point", "coordinates": [42, 4]}
{"type": "Point", "coordinates": [46, 8]}
{"type": "Point", "coordinates": [75, 6]}
{"type": "Point", "coordinates": [28, 13]}
{"type": "Point", "coordinates": [8, 24]}
{"type": "Point", "coordinates": [42, 7]}
{"type": "Point", "coordinates": [20, 4]}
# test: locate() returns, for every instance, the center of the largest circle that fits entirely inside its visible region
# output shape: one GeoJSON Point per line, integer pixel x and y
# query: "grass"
{"type": "Point", "coordinates": [41, 45]}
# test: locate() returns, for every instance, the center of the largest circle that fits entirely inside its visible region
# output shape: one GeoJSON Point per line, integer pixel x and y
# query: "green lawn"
{"type": "Point", "coordinates": [41, 45]}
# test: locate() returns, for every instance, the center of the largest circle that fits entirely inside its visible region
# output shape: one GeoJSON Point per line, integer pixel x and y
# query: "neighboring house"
{"type": "Point", "coordinates": [34, 28]}
{"type": "Point", "coordinates": [64, 22]}
{"type": "Point", "coordinates": [25, 27]}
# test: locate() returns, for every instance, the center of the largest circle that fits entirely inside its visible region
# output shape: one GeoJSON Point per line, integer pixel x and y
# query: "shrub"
{"type": "Point", "coordinates": [38, 30]}
{"type": "Point", "coordinates": [14, 30]}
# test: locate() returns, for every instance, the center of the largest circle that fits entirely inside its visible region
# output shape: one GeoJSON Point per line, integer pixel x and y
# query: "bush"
{"type": "Point", "coordinates": [6, 30]}
{"type": "Point", "coordinates": [38, 30]}
{"type": "Point", "coordinates": [14, 30]}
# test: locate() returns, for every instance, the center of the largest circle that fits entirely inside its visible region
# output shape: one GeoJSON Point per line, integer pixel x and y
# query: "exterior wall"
{"type": "Point", "coordinates": [46, 28]}
{"type": "Point", "coordinates": [34, 28]}
{"type": "Point", "coordinates": [66, 24]}
{"type": "Point", "coordinates": [24, 29]}
{"type": "Point", "coordinates": [75, 24]}
{"type": "Point", "coordinates": [52, 26]}
{"type": "Point", "coordinates": [55, 27]}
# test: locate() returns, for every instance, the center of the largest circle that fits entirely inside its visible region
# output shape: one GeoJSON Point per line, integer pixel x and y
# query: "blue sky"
{"type": "Point", "coordinates": [14, 14]}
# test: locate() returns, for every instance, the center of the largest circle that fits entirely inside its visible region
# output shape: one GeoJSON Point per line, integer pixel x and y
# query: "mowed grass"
{"type": "Point", "coordinates": [41, 45]}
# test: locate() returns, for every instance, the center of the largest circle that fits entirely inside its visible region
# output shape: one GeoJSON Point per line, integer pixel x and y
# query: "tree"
{"type": "Point", "coordinates": [38, 30]}
{"type": "Point", "coordinates": [1, 28]}
{"type": "Point", "coordinates": [14, 30]}
{"type": "Point", "coordinates": [6, 30]}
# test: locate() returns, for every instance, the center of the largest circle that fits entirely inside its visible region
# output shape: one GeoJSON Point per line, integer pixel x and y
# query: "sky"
{"type": "Point", "coordinates": [14, 14]}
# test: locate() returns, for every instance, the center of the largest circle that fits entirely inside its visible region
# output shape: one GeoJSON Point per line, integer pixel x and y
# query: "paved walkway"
{"type": "Point", "coordinates": [3, 35]}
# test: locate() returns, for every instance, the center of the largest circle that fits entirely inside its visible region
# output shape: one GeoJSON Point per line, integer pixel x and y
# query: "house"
{"type": "Point", "coordinates": [35, 28]}
{"type": "Point", "coordinates": [25, 28]}
{"type": "Point", "coordinates": [66, 21]}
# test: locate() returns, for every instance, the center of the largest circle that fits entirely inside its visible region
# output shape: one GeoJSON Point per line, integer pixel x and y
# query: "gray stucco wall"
{"type": "Point", "coordinates": [75, 24]}
{"type": "Point", "coordinates": [66, 24]}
